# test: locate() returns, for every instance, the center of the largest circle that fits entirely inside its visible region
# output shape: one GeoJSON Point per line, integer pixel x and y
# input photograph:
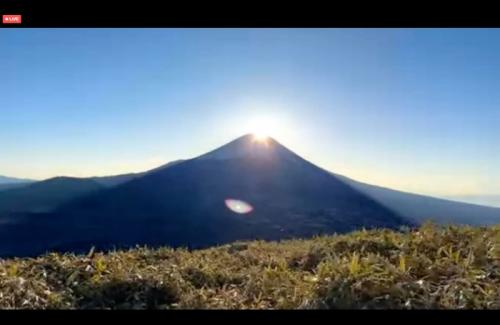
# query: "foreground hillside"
{"type": "Point", "coordinates": [454, 267]}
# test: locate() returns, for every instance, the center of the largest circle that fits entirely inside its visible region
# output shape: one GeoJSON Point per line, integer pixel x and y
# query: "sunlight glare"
{"type": "Point", "coordinates": [262, 128]}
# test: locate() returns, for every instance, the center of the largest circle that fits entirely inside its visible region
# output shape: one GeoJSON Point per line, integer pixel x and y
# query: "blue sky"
{"type": "Point", "coordinates": [412, 109]}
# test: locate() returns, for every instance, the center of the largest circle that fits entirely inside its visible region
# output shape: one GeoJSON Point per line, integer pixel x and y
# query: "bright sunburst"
{"type": "Point", "coordinates": [260, 137]}
{"type": "Point", "coordinates": [262, 125]}
{"type": "Point", "coordinates": [262, 128]}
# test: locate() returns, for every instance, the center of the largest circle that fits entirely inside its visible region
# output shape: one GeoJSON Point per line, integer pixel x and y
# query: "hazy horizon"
{"type": "Point", "coordinates": [413, 110]}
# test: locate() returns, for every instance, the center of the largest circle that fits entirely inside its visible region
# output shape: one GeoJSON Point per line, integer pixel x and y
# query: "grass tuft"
{"type": "Point", "coordinates": [430, 267]}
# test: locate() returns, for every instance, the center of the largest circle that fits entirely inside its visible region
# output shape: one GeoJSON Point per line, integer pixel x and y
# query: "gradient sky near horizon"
{"type": "Point", "coordinates": [412, 109]}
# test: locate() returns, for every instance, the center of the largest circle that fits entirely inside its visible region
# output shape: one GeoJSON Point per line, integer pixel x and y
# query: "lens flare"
{"type": "Point", "coordinates": [238, 206]}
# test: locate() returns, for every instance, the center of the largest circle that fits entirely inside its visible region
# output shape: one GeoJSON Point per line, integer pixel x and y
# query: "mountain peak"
{"type": "Point", "coordinates": [248, 145]}
{"type": "Point", "coordinates": [251, 137]}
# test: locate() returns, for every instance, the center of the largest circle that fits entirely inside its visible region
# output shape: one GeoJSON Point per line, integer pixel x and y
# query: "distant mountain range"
{"type": "Point", "coordinates": [485, 199]}
{"type": "Point", "coordinates": [184, 203]}
{"type": "Point", "coordinates": [44, 196]}
{"type": "Point", "coordinates": [12, 182]}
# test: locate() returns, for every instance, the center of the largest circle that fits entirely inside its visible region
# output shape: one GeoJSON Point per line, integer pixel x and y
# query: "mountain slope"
{"type": "Point", "coordinates": [114, 180]}
{"type": "Point", "coordinates": [44, 196]}
{"type": "Point", "coordinates": [110, 181]}
{"type": "Point", "coordinates": [420, 208]}
{"type": "Point", "coordinates": [480, 199]}
{"type": "Point", "coordinates": [184, 205]}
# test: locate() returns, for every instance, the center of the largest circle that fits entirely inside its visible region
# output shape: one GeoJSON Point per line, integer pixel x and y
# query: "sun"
{"type": "Point", "coordinates": [260, 137]}
{"type": "Point", "coordinates": [262, 128]}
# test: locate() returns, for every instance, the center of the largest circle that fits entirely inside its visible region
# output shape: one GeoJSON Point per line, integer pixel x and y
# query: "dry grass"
{"type": "Point", "coordinates": [453, 267]}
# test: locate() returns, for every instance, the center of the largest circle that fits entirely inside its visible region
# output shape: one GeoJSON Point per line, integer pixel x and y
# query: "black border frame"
{"type": "Point", "coordinates": [141, 14]}
{"type": "Point", "coordinates": [253, 316]}
{"type": "Point", "coordinates": [234, 14]}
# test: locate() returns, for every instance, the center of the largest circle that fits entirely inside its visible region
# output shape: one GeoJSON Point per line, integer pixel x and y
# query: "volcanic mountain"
{"type": "Point", "coordinates": [186, 204]}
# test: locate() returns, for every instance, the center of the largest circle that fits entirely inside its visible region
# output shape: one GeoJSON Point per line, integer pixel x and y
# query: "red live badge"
{"type": "Point", "coordinates": [11, 19]}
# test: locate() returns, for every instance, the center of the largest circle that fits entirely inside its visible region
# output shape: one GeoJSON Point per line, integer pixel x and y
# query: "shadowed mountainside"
{"type": "Point", "coordinates": [184, 204]}
{"type": "Point", "coordinates": [420, 208]}
{"type": "Point", "coordinates": [44, 196]}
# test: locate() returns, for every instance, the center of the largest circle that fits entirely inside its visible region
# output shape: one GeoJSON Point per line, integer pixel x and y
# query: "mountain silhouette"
{"type": "Point", "coordinates": [47, 195]}
{"type": "Point", "coordinates": [186, 204]}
